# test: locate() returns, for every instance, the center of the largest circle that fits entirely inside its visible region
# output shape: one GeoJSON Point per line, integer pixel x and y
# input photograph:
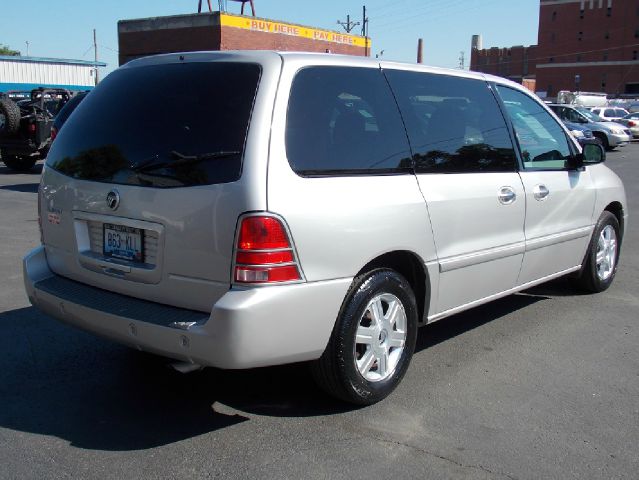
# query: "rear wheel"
{"type": "Point", "coordinates": [18, 163]}
{"type": "Point", "coordinates": [373, 340]}
{"type": "Point", "coordinates": [600, 264]}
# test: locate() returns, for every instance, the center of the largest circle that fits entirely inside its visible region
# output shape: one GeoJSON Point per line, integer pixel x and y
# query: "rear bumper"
{"type": "Point", "coordinates": [246, 328]}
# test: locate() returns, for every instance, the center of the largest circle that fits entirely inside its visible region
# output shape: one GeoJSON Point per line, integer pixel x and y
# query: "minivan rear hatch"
{"type": "Point", "coordinates": [141, 190]}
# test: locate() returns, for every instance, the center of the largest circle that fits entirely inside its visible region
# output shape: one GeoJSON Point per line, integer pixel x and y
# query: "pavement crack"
{"type": "Point", "coordinates": [442, 457]}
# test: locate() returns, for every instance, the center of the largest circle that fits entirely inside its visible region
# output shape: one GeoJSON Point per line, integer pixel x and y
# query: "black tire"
{"type": "Point", "coordinates": [19, 164]}
{"type": "Point", "coordinates": [603, 139]}
{"type": "Point", "coordinates": [596, 278]}
{"type": "Point", "coordinates": [11, 116]}
{"type": "Point", "coordinates": [336, 371]}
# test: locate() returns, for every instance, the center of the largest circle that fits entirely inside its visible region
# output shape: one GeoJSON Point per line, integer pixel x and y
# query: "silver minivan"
{"type": "Point", "coordinates": [246, 209]}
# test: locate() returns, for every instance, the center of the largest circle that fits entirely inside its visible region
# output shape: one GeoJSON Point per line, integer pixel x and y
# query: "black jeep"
{"type": "Point", "coordinates": [26, 119]}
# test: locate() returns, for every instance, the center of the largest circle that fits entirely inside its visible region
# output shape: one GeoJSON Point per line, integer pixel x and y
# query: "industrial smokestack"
{"type": "Point", "coordinates": [476, 43]}
{"type": "Point", "coordinates": [420, 50]}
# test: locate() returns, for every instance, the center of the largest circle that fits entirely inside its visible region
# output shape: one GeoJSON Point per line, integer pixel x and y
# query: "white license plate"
{"type": "Point", "coordinates": [123, 242]}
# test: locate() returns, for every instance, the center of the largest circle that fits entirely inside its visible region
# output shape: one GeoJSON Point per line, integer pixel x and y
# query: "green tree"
{"type": "Point", "coordinates": [5, 50]}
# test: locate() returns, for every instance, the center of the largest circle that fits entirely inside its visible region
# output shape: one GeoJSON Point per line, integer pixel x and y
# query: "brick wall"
{"type": "Point", "coordinates": [597, 40]}
{"type": "Point", "coordinates": [238, 39]}
{"type": "Point", "coordinates": [515, 63]}
{"type": "Point", "coordinates": [188, 33]}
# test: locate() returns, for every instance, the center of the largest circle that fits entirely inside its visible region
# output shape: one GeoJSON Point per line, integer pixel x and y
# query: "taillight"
{"type": "Point", "coordinates": [32, 127]}
{"type": "Point", "coordinates": [54, 133]}
{"type": "Point", "coordinates": [631, 123]}
{"type": "Point", "coordinates": [264, 252]}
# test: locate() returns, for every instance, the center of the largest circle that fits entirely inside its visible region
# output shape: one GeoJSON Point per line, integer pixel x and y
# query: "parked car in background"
{"type": "Point", "coordinates": [610, 134]}
{"type": "Point", "coordinates": [632, 107]}
{"type": "Point", "coordinates": [580, 132]}
{"type": "Point", "coordinates": [25, 125]}
{"type": "Point", "coordinates": [631, 122]}
{"type": "Point", "coordinates": [610, 114]}
{"type": "Point", "coordinates": [319, 211]}
{"type": "Point", "coordinates": [582, 99]}
{"type": "Point", "coordinates": [67, 110]}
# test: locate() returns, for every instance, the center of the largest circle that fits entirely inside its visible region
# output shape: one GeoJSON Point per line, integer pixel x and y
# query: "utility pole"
{"type": "Point", "coordinates": [348, 25]}
{"type": "Point", "coordinates": [420, 50]}
{"type": "Point", "coordinates": [365, 29]}
{"type": "Point", "coordinates": [27, 42]}
{"type": "Point", "coordinates": [461, 61]}
{"type": "Point", "coordinates": [95, 55]}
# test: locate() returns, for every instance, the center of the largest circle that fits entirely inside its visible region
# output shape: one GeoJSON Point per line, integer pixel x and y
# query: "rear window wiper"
{"type": "Point", "coordinates": [181, 159]}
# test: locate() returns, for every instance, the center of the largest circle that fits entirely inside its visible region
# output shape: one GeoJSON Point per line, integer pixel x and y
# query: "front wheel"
{"type": "Point", "coordinates": [600, 263]}
{"type": "Point", "coordinates": [603, 138]}
{"type": "Point", "coordinates": [373, 340]}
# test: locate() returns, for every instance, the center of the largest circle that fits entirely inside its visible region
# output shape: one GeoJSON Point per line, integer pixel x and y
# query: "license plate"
{"type": "Point", "coordinates": [123, 242]}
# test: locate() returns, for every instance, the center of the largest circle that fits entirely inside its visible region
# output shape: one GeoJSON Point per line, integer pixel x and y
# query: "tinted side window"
{"type": "Point", "coordinates": [344, 120]}
{"type": "Point", "coordinates": [454, 124]}
{"type": "Point", "coordinates": [542, 141]}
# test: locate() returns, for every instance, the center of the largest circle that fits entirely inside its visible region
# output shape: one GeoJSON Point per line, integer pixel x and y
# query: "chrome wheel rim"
{"type": "Point", "coordinates": [606, 258]}
{"type": "Point", "coordinates": [380, 337]}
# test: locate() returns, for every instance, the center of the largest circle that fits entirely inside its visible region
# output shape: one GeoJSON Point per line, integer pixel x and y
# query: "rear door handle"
{"type": "Point", "coordinates": [540, 192]}
{"type": "Point", "coordinates": [506, 195]}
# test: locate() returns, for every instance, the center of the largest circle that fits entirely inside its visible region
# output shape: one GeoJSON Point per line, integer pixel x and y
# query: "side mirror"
{"type": "Point", "coordinates": [592, 153]}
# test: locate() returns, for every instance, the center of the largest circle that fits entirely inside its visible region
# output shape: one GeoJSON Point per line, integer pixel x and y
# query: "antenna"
{"type": "Point", "coordinates": [461, 61]}
{"type": "Point", "coordinates": [348, 25]}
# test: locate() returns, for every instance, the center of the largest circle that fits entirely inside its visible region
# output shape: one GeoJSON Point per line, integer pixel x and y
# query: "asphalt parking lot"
{"type": "Point", "coordinates": [542, 384]}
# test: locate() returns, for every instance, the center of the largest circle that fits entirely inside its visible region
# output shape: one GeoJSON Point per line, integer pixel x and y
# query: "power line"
{"type": "Point", "coordinates": [348, 25]}
{"type": "Point", "coordinates": [450, 9]}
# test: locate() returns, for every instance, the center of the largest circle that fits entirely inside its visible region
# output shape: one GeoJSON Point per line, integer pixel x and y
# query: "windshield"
{"type": "Point", "coordinates": [140, 116]}
{"type": "Point", "coordinates": [589, 115]}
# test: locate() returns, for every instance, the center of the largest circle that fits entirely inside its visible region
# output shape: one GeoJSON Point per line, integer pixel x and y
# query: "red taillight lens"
{"type": "Point", "coordinates": [264, 252]}
{"type": "Point", "coordinates": [54, 133]}
{"type": "Point", "coordinates": [32, 127]}
{"type": "Point", "coordinates": [262, 258]}
{"type": "Point", "coordinates": [262, 233]}
{"type": "Point", "coordinates": [631, 123]}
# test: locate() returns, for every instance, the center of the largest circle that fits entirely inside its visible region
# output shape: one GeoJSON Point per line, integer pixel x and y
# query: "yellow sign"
{"type": "Point", "coordinates": [266, 26]}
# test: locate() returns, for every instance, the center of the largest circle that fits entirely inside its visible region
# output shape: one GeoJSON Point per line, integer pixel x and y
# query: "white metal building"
{"type": "Point", "coordinates": [26, 73]}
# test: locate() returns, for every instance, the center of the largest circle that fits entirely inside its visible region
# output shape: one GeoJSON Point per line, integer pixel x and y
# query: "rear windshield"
{"type": "Point", "coordinates": [161, 126]}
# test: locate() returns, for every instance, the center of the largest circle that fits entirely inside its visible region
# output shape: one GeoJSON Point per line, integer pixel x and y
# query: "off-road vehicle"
{"type": "Point", "coordinates": [25, 125]}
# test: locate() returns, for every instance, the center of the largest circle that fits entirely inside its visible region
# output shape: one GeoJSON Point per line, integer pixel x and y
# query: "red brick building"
{"type": "Point", "coordinates": [515, 63]}
{"type": "Point", "coordinates": [224, 31]}
{"type": "Point", "coordinates": [588, 45]}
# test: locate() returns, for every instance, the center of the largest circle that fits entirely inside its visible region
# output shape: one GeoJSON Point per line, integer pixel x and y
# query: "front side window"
{"type": "Point", "coordinates": [344, 120]}
{"type": "Point", "coordinates": [542, 141]}
{"type": "Point", "coordinates": [454, 124]}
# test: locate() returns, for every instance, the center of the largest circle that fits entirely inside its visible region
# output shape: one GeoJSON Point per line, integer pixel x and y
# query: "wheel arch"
{"type": "Point", "coordinates": [617, 210]}
{"type": "Point", "coordinates": [411, 267]}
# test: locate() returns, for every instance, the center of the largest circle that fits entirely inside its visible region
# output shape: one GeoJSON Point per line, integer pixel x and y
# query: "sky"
{"type": "Point", "coordinates": [65, 27]}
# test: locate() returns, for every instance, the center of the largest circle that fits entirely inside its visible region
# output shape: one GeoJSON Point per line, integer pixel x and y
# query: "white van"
{"type": "Point", "coordinates": [247, 209]}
